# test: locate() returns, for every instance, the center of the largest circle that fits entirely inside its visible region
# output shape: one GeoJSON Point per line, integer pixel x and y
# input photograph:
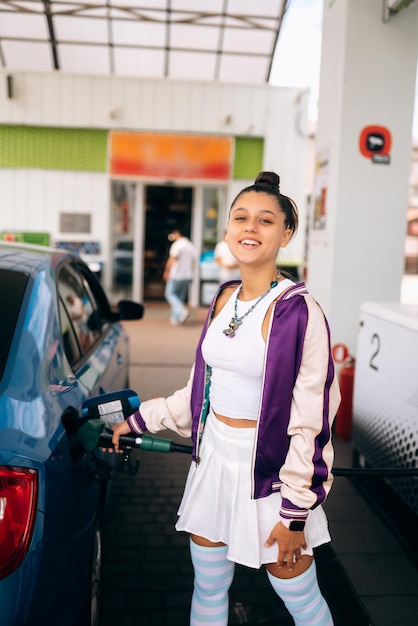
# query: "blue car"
{"type": "Point", "coordinates": [61, 343]}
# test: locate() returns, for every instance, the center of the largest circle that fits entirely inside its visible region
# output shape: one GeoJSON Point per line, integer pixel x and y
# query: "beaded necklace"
{"type": "Point", "coordinates": [236, 321]}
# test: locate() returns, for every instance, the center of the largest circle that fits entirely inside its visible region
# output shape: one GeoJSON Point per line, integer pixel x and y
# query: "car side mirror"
{"type": "Point", "coordinates": [129, 310]}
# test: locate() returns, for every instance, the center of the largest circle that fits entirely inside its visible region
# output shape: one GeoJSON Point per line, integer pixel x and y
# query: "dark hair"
{"type": "Point", "coordinates": [269, 182]}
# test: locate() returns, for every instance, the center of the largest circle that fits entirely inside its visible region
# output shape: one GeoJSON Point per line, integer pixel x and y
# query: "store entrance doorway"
{"type": "Point", "coordinates": [166, 207]}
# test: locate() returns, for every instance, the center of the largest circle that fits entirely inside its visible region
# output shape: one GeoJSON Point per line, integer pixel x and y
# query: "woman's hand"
{"type": "Point", "coordinates": [118, 430]}
{"type": "Point", "coordinates": [289, 542]}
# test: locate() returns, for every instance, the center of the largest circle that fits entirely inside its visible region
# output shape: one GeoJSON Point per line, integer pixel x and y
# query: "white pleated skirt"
{"type": "Point", "coordinates": [217, 502]}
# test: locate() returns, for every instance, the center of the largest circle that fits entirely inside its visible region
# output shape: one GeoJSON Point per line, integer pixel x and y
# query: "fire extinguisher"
{"type": "Point", "coordinates": [344, 418]}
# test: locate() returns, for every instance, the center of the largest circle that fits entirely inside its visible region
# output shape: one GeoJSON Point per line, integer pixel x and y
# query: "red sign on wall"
{"type": "Point", "coordinates": [170, 156]}
{"type": "Point", "coordinates": [375, 143]}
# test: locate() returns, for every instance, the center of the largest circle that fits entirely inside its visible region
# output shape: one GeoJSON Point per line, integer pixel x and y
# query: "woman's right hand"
{"type": "Point", "coordinates": [120, 429]}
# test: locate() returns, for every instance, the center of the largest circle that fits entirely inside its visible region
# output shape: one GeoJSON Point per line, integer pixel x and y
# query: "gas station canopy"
{"type": "Point", "coordinates": [216, 40]}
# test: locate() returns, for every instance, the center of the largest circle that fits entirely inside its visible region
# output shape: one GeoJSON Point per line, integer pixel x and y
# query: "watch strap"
{"type": "Point", "coordinates": [296, 525]}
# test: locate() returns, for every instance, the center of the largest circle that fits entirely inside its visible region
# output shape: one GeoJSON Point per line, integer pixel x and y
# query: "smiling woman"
{"type": "Point", "coordinates": [261, 223]}
{"type": "Point", "coordinates": [260, 410]}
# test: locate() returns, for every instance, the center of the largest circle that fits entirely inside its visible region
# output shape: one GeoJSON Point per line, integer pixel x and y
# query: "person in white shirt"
{"type": "Point", "coordinates": [227, 262]}
{"type": "Point", "coordinates": [178, 274]}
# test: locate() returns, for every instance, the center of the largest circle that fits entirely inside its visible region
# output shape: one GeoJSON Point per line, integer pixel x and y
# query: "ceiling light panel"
{"type": "Point", "coordinates": [82, 9]}
{"type": "Point", "coordinates": [249, 7]}
{"type": "Point", "coordinates": [155, 4]}
{"type": "Point", "coordinates": [82, 59]}
{"type": "Point", "coordinates": [29, 7]}
{"type": "Point", "coordinates": [80, 29]}
{"type": "Point", "coordinates": [198, 6]}
{"type": "Point", "coordinates": [190, 36]}
{"type": "Point", "coordinates": [25, 26]}
{"type": "Point", "coordinates": [139, 33]}
{"type": "Point", "coordinates": [258, 41]}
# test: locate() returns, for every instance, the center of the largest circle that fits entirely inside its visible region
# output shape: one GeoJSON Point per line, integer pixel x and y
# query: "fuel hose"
{"type": "Point", "coordinates": [157, 444]}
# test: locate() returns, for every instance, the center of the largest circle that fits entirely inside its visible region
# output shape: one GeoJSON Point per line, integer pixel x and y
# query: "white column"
{"type": "Point", "coordinates": [357, 234]}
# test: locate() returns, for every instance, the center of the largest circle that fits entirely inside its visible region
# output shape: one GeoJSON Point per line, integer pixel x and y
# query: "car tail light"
{"type": "Point", "coordinates": [18, 493]}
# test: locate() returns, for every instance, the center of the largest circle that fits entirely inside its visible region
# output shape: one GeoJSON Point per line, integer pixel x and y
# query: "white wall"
{"type": "Point", "coordinates": [32, 200]}
{"type": "Point", "coordinates": [114, 102]}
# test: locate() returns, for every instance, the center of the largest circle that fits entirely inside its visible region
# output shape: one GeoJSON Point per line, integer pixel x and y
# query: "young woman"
{"type": "Point", "coordinates": [259, 405]}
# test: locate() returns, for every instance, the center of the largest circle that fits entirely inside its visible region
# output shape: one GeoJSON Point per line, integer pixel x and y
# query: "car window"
{"type": "Point", "coordinates": [78, 313]}
{"type": "Point", "coordinates": [12, 286]}
{"type": "Point", "coordinates": [69, 336]}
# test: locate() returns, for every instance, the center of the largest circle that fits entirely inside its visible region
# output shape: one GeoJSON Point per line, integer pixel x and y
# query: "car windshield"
{"type": "Point", "coordinates": [13, 284]}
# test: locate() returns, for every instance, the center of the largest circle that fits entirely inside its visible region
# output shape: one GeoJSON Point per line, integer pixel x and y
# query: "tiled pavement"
{"type": "Point", "coordinates": [367, 573]}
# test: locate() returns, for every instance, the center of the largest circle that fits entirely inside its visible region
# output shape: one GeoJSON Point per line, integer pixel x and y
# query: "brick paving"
{"type": "Point", "coordinates": [147, 572]}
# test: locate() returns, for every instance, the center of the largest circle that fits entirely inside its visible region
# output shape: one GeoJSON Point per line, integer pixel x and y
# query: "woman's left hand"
{"type": "Point", "coordinates": [289, 543]}
{"type": "Point", "coordinates": [122, 428]}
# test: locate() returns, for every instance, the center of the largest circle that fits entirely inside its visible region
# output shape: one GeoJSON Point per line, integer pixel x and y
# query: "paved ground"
{"type": "Point", "coordinates": [368, 575]}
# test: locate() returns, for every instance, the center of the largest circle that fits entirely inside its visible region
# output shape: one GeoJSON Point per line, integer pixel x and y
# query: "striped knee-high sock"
{"type": "Point", "coordinates": [213, 575]}
{"type": "Point", "coordinates": [303, 598]}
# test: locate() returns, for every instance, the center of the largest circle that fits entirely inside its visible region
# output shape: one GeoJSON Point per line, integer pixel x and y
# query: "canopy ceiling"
{"type": "Point", "coordinates": [211, 40]}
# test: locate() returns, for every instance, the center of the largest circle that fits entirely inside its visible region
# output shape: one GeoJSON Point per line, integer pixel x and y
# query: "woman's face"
{"type": "Point", "coordinates": [256, 228]}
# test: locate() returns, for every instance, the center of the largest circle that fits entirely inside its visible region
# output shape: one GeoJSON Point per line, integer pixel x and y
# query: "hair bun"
{"type": "Point", "coordinates": [268, 178]}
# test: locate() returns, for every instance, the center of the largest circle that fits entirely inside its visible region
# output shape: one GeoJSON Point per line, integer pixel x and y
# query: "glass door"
{"type": "Point", "coordinates": [213, 225]}
{"type": "Point", "coordinates": [122, 239]}
{"type": "Point", "coordinates": [166, 207]}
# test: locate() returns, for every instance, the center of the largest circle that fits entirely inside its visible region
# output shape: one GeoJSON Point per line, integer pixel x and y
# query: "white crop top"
{"type": "Point", "coordinates": [237, 363]}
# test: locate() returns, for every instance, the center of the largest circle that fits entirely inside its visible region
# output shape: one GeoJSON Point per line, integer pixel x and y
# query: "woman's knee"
{"type": "Point", "coordinates": [285, 573]}
{"type": "Point", "coordinates": [202, 541]}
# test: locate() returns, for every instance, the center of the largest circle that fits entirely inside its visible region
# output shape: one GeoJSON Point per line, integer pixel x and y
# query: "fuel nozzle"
{"type": "Point", "coordinates": [111, 408]}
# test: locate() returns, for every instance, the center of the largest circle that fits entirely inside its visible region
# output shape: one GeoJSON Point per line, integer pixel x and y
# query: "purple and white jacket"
{"type": "Point", "coordinates": [293, 452]}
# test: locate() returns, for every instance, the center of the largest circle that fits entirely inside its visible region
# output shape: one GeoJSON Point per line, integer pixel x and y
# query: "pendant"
{"type": "Point", "coordinates": [233, 325]}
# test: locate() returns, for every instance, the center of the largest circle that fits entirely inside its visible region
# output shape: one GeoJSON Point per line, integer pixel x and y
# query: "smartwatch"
{"type": "Point", "coordinates": [297, 525]}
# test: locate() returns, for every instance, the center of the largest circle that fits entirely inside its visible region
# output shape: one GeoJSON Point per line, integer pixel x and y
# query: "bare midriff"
{"type": "Point", "coordinates": [235, 423]}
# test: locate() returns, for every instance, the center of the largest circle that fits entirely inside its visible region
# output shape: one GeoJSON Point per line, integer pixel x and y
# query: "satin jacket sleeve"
{"type": "Point", "coordinates": [306, 473]}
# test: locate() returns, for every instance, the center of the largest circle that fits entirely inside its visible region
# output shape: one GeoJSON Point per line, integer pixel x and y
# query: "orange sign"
{"type": "Point", "coordinates": [170, 156]}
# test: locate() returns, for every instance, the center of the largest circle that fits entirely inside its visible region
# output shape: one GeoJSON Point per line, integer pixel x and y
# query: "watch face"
{"type": "Point", "coordinates": [296, 525]}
